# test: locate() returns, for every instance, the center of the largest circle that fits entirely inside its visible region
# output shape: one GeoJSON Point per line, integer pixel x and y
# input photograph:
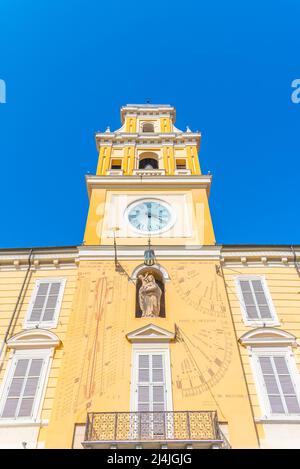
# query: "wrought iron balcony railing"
{"type": "Point", "coordinates": [181, 426]}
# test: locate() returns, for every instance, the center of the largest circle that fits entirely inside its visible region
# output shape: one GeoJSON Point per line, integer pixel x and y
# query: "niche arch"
{"type": "Point", "coordinates": [159, 279]}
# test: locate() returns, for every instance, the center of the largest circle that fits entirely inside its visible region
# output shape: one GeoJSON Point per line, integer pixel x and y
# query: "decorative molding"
{"type": "Point", "coordinates": [268, 336]}
{"type": "Point", "coordinates": [157, 267]}
{"type": "Point", "coordinates": [33, 339]}
{"type": "Point", "coordinates": [149, 182]}
{"type": "Point", "coordinates": [191, 252]}
{"type": "Point", "coordinates": [150, 333]}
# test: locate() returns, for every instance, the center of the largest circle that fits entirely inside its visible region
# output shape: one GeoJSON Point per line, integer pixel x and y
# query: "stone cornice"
{"type": "Point", "coordinates": [148, 110]}
{"type": "Point", "coordinates": [54, 257]}
{"type": "Point", "coordinates": [135, 139]}
{"type": "Point", "coordinates": [137, 252]}
{"type": "Point", "coordinates": [148, 182]}
{"type": "Point", "coordinates": [244, 254]}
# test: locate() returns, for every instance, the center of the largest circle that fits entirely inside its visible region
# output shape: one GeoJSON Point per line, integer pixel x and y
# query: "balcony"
{"type": "Point", "coordinates": [196, 429]}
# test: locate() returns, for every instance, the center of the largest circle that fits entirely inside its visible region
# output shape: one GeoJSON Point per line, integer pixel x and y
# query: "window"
{"type": "Point", "coordinates": [116, 164]}
{"type": "Point", "coordinates": [151, 377]}
{"type": "Point", "coordinates": [24, 384]}
{"type": "Point", "coordinates": [277, 378]}
{"type": "Point", "coordinates": [151, 389]}
{"type": "Point", "coordinates": [180, 164]}
{"type": "Point", "coordinates": [148, 127]}
{"type": "Point", "coordinates": [45, 303]}
{"type": "Point", "coordinates": [151, 382]}
{"type": "Point", "coordinates": [148, 163]}
{"type": "Point", "coordinates": [255, 300]}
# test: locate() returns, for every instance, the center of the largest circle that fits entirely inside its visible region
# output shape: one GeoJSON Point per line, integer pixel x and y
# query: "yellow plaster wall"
{"type": "Point", "coordinates": [130, 124]}
{"type": "Point", "coordinates": [10, 285]}
{"type": "Point", "coordinates": [165, 124]}
{"type": "Point", "coordinates": [96, 368]}
{"type": "Point", "coordinates": [284, 287]}
{"type": "Point", "coordinates": [203, 232]}
{"type": "Point", "coordinates": [127, 154]}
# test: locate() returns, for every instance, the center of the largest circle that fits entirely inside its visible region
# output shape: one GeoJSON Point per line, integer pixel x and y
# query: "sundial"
{"type": "Point", "coordinates": [204, 333]}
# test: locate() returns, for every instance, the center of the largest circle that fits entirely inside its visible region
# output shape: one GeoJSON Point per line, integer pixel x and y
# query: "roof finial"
{"type": "Point", "coordinates": [107, 129]}
{"type": "Point", "coordinates": [147, 100]}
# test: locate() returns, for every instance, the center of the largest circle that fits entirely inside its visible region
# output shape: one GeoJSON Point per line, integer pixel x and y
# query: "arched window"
{"type": "Point", "coordinates": [148, 160]}
{"type": "Point", "coordinates": [153, 282]}
{"type": "Point", "coordinates": [148, 127]}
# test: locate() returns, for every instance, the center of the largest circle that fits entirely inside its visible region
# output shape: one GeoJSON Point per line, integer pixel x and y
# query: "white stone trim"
{"type": "Point", "coordinates": [150, 334]}
{"type": "Point", "coordinates": [117, 182]}
{"type": "Point", "coordinates": [187, 252]}
{"type": "Point", "coordinates": [254, 353]}
{"type": "Point", "coordinates": [268, 336]}
{"type": "Point", "coordinates": [157, 267]}
{"type": "Point", "coordinates": [151, 348]}
{"type": "Point", "coordinates": [45, 324]}
{"type": "Point", "coordinates": [33, 339]}
{"type": "Point", "coordinates": [47, 355]}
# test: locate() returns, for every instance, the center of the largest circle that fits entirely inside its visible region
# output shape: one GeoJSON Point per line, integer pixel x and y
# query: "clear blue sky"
{"type": "Point", "coordinates": [227, 67]}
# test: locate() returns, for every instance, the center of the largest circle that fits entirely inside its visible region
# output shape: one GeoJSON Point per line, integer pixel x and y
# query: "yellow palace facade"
{"type": "Point", "coordinates": [149, 334]}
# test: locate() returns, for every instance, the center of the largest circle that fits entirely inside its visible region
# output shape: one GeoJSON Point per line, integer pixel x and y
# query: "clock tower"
{"type": "Point", "coordinates": [150, 354]}
{"type": "Point", "coordinates": [149, 183]}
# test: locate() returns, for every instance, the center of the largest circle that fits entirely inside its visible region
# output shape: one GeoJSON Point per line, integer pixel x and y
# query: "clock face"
{"type": "Point", "coordinates": [150, 216]}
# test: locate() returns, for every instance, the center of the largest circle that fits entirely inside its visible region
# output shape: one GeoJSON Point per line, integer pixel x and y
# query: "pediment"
{"type": "Point", "coordinates": [33, 338]}
{"type": "Point", "coordinates": [150, 333]}
{"type": "Point", "coordinates": [264, 336]}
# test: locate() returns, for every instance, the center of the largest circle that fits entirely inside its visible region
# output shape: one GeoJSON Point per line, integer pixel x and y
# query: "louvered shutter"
{"type": "Point", "coordinates": [287, 386]}
{"type": "Point", "coordinates": [279, 386]}
{"type": "Point", "coordinates": [249, 300]}
{"type": "Point", "coordinates": [255, 299]}
{"type": "Point", "coordinates": [151, 383]}
{"type": "Point", "coordinates": [261, 299]}
{"type": "Point", "coordinates": [144, 383]}
{"type": "Point", "coordinates": [23, 388]}
{"type": "Point", "coordinates": [45, 302]}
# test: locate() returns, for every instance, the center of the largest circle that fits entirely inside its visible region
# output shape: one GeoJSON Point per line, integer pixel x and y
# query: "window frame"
{"type": "Point", "coordinates": [273, 321]}
{"type": "Point", "coordinates": [146, 348]}
{"type": "Point", "coordinates": [45, 324]}
{"type": "Point", "coordinates": [181, 159]}
{"type": "Point", "coordinates": [116, 169]}
{"type": "Point", "coordinates": [262, 395]}
{"type": "Point", "coordinates": [145, 123]}
{"type": "Point", "coordinates": [47, 356]}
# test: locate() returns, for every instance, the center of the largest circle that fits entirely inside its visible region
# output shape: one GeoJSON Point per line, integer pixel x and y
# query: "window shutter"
{"type": "Point", "coordinates": [261, 299]}
{"type": "Point", "coordinates": [45, 301]}
{"type": "Point", "coordinates": [287, 386]}
{"type": "Point", "coordinates": [151, 385]}
{"type": "Point", "coordinates": [157, 368]}
{"type": "Point", "coordinates": [279, 386]}
{"type": "Point", "coordinates": [255, 299]}
{"type": "Point", "coordinates": [249, 300]}
{"type": "Point", "coordinates": [143, 377]}
{"type": "Point", "coordinates": [23, 388]}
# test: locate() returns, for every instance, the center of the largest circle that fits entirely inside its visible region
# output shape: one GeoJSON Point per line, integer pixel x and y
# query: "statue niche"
{"type": "Point", "coordinates": [150, 298]}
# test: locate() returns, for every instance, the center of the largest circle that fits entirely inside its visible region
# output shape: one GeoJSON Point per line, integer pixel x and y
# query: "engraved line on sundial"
{"type": "Point", "coordinates": [215, 358]}
{"type": "Point", "coordinates": [197, 382]}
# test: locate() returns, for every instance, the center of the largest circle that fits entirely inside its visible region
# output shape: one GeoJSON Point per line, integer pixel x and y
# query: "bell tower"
{"type": "Point", "coordinates": [148, 183]}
